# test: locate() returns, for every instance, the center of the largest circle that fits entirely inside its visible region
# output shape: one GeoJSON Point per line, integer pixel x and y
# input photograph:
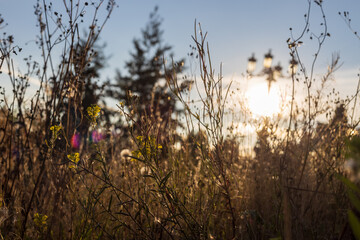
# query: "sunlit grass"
{"type": "Point", "coordinates": [266, 168]}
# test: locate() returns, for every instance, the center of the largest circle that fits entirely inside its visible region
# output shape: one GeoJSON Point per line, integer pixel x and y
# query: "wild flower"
{"type": "Point", "coordinates": [93, 113]}
{"type": "Point", "coordinates": [40, 221]}
{"type": "Point", "coordinates": [147, 147]}
{"type": "Point", "coordinates": [145, 171]}
{"type": "Point", "coordinates": [125, 154]}
{"type": "Point", "coordinates": [74, 159]}
{"type": "Point", "coordinates": [55, 130]}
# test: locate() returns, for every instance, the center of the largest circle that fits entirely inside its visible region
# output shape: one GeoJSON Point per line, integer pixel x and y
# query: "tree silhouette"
{"type": "Point", "coordinates": [146, 77]}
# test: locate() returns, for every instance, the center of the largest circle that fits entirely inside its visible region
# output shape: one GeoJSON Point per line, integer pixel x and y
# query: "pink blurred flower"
{"type": "Point", "coordinates": [97, 136]}
{"type": "Point", "coordinates": [75, 141]}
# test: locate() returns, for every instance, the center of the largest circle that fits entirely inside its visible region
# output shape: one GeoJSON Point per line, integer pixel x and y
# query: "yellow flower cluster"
{"type": "Point", "coordinates": [148, 147]}
{"type": "Point", "coordinates": [93, 112]}
{"type": "Point", "coordinates": [55, 128]}
{"type": "Point", "coordinates": [55, 131]}
{"type": "Point", "coordinates": [74, 159]}
{"type": "Point", "coordinates": [40, 221]}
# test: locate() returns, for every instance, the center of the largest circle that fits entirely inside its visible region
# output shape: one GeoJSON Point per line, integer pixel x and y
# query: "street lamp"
{"type": "Point", "coordinates": [251, 64]}
{"type": "Point", "coordinates": [272, 73]}
{"type": "Point", "coordinates": [268, 60]}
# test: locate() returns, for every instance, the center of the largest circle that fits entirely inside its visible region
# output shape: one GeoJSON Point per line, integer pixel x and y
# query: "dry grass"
{"type": "Point", "coordinates": [156, 181]}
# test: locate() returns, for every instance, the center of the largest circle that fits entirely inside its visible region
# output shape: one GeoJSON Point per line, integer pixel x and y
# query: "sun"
{"type": "Point", "coordinates": [261, 102]}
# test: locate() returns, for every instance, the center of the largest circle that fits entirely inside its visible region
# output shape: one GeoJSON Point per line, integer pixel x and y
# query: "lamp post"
{"type": "Point", "coordinates": [272, 73]}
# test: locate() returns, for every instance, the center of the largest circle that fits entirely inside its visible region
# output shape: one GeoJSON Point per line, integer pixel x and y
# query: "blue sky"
{"type": "Point", "coordinates": [235, 29]}
{"type": "Point", "coordinates": [238, 28]}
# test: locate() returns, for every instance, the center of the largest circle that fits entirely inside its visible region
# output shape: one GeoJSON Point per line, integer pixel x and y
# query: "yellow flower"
{"type": "Point", "coordinates": [74, 159]}
{"type": "Point", "coordinates": [93, 112]}
{"type": "Point", "coordinates": [40, 221]}
{"type": "Point", "coordinates": [55, 128]}
{"type": "Point", "coordinates": [147, 147]}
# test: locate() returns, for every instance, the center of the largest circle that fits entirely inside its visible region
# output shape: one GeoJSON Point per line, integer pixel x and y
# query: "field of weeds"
{"type": "Point", "coordinates": [167, 163]}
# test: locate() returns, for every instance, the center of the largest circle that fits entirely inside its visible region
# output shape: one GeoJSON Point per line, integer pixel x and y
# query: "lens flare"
{"type": "Point", "coordinates": [96, 136]}
{"type": "Point", "coordinates": [75, 141]}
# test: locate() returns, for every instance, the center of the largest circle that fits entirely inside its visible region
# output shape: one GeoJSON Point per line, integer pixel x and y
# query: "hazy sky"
{"type": "Point", "coordinates": [236, 28]}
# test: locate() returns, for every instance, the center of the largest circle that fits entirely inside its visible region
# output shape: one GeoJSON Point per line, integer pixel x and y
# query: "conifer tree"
{"type": "Point", "coordinates": [146, 77]}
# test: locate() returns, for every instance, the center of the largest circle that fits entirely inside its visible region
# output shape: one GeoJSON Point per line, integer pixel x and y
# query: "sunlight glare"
{"type": "Point", "coordinates": [261, 102]}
